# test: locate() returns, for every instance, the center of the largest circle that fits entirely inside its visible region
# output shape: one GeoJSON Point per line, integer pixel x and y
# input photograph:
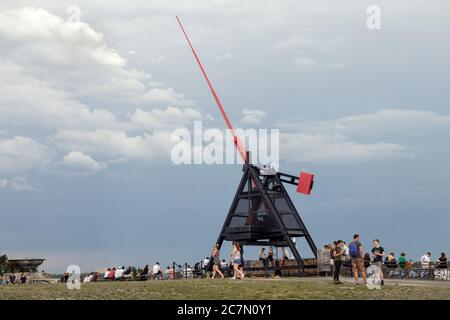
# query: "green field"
{"type": "Point", "coordinates": [305, 288]}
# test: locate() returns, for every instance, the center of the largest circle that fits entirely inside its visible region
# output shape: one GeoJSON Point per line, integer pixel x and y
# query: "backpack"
{"type": "Point", "coordinates": [353, 249]}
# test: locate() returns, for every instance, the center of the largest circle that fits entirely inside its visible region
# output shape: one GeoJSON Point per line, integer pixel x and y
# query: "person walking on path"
{"type": "Point", "coordinates": [236, 261]}
{"type": "Point", "coordinates": [216, 262]}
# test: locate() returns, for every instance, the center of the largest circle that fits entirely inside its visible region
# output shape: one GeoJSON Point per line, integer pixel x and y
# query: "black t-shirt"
{"type": "Point", "coordinates": [377, 250]}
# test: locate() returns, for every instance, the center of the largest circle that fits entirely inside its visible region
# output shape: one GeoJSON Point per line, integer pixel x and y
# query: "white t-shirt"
{"type": "Point", "coordinates": [156, 269]}
{"type": "Point", "coordinates": [119, 273]}
{"type": "Point", "coordinates": [205, 262]}
{"type": "Point", "coordinates": [346, 250]}
{"type": "Point", "coordinates": [106, 275]}
{"type": "Point", "coordinates": [425, 261]}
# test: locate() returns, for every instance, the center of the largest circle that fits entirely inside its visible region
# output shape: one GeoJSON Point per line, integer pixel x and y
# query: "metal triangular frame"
{"type": "Point", "coordinates": [264, 222]}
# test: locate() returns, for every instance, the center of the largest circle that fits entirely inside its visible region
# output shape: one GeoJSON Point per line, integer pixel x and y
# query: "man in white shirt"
{"type": "Point", "coordinates": [425, 260]}
{"type": "Point", "coordinates": [119, 273]}
{"type": "Point", "coordinates": [345, 249]}
{"type": "Point", "coordinates": [205, 262]}
{"type": "Point", "coordinates": [157, 271]}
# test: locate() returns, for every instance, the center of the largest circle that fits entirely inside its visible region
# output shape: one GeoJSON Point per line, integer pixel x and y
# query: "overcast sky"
{"type": "Point", "coordinates": [87, 110]}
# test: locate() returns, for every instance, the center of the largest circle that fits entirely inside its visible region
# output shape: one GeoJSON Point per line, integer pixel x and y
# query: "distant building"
{"type": "Point", "coordinates": [25, 265]}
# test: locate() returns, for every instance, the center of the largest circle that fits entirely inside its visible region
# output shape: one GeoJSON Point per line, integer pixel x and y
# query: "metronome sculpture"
{"type": "Point", "coordinates": [262, 213]}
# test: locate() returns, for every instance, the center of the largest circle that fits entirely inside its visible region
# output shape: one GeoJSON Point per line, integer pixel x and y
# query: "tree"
{"type": "Point", "coordinates": [4, 267]}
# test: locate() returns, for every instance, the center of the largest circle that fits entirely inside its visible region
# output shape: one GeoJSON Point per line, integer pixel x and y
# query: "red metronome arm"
{"type": "Point", "coordinates": [237, 142]}
{"type": "Point", "coordinates": [304, 182]}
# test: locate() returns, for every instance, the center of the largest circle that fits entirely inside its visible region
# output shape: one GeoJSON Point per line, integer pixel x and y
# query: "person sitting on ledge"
{"type": "Point", "coordinates": [402, 260]}
{"type": "Point", "coordinates": [442, 261]}
{"type": "Point", "coordinates": [112, 274]}
{"type": "Point", "coordinates": [119, 273]}
{"type": "Point", "coordinates": [425, 261]}
{"type": "Point", "coordinates": [128, 273]}
{"type": "Point", "coordinates": [157, 273]}
{"type": "Point", "coordinates": [144, 273]}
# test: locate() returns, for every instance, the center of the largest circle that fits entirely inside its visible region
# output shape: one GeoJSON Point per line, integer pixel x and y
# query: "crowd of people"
{"type": "Point", "coordinates": [341, 254]}
{"type": "Point", "coordinates": [13, 279]}
{"type": "Point", "coordinates": [359, 260]}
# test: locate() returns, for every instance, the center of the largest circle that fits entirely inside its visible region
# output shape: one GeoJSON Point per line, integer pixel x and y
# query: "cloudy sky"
{"type": "Point", "coordinates": [87, 110]}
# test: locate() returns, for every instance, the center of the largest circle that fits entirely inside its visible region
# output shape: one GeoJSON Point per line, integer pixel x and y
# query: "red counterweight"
{"type": "Point", "coordinates": [305, 183]}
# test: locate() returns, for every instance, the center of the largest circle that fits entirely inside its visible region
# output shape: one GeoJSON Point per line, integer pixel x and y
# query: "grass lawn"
{"type": "Point", "coordinates": [294, 288]}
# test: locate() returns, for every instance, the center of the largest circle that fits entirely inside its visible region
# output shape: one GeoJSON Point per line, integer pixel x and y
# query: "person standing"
{"type": "Point", "coordinates": [236, 261]}
{"type": "Point", "coordinates": [337, 256]}
{"type": "Point", "coordinates": [263, 258]}
{"type": "Point", "coordinates": [356, 255]}
{"type": "Point", "coordinates": [216, 262]}
{"type": "Point", "coordinates": [270, 257]}
{"type": "Point", "coordinates": [378, 254]}
{"type": "Point", "coordinates": [242, 265]}
{"type": "Point", "coordinates": [329, 248]}
{"type": "Point", "coordinates": [285, 255]}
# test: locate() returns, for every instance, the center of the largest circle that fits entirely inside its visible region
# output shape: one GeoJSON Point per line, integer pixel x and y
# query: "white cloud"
{"type": "Point", "coordinates": [115, 143]}
{"type": "Point", "coordinates": [159, 59]}
{"type": "Point", "coordinates": [225, 56]}
{"type": "Point", "coordinates": [308, 63]}
{"type": "Point", "coordinates": [21, 184]}
{"type": "Point", "coordinates": [74, 58]}
{"type": "Point", "coordinates": [252, 116]}
{"type": "Point", "coordinates": [22, 153]}
{"type": "Point", "coordinates": [170, 117]}
{"type": "Point", "coordinates": [297, 41]}
{"type": "Point", "coordinates": [43, 105]}
{"type": "Point", "coordinates": [384, 124]}
{"type": "Point", "coordinates": [63, 79]}
{"type": "Point", "coordinates": [388, 133]}
{"type": "Point", "coordinates": [82, 161]}
{"type": "Point", "coordinates": [17, 183]}
{"type": "Point", "coordinates": [167, 96]}
{"type": "Point", "coordinates": [304, 62]}
{"type": "Point", "coordinates": [298, 147]}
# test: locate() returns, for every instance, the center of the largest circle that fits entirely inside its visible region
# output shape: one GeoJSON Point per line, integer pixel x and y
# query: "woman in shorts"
{"type": "Point", "coordinates": [236, 261]}
{"type": "Point", "coordinates": [216, 262]}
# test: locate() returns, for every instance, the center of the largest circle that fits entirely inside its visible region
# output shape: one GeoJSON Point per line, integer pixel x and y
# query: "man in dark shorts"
{"type": "Point", "coordinates": [356, 255]}
{"type": "Point", "coordinates": [378, 254]}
